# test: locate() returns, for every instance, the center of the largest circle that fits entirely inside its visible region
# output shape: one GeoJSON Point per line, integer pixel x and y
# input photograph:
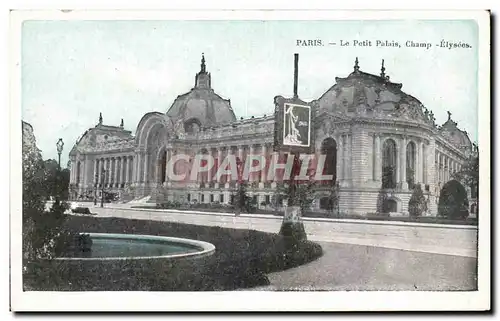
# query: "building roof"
{"type": "Point", "coordinates": [454, 135]}
{"type": "Point", "coordinates": [103, 138]}
{"type": "Point", "coordinates": [202, 104]}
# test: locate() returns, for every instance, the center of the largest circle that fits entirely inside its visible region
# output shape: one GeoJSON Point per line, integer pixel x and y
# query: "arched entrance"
{"type": "Point", "coordinates": [453, 202]}
{"type": "Point", "coordinates": [329, 148]}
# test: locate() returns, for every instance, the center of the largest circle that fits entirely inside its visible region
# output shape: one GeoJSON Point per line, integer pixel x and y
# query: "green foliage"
{"type": "Point", "coordinates": [453, 203]}
{"type": "Point", "coordinates": [56, 181]}
{"type": "Point", "coordinates": [279, 195]}
{"type": "Point", "coordinates": [305, 195]}
{"type": "Point", "coordinates": [417, 204]}
{"type": "Point", "coordinates": [242, 201]}
{"type": "Point", "coordinates": [333, 198]}
{"type": "Point", "coordinates": [469, 174]}
{"type": "Point", "coordinates": [43, 235]}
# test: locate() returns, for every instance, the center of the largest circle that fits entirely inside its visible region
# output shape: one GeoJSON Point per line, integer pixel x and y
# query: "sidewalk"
{"type": "Point", "coordinates": [307, 219]}
{"type": "Point", "coordinates": [428, 238]}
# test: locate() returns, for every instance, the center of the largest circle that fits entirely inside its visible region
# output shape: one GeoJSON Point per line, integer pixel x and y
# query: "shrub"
{"type": "Point", "coordinates": [453, 203]}
{"type": "Point", "coordinates": [81, 210]}
{"type": "Point", "coordinates": [417, 204]}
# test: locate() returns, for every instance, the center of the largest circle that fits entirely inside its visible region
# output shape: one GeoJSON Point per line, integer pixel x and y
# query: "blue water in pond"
{"type": "Point", "coordinates": [108, 247]}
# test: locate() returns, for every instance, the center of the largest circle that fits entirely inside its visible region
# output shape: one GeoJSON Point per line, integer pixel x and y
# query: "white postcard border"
{"type": "Point", "coordinates": [249, 300]}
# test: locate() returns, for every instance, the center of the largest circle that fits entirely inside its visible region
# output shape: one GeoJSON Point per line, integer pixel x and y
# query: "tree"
{"type": "Point", "coordinates": [57, 181]}
{"type": "Point", "coordinates": [469, 174]}
{"type": "Point", "coordinates": [417, 204]}
{"type": "Point", "coordinates": [279, 195]}
{"type": "Point", "coordinates": [242, 201]}
{"type": "Point", "coordinates": [453, 202]}
{"type": "Point", "coordinates": [43, 232]}
{"type": "Point", "coordinates": [305, 195]}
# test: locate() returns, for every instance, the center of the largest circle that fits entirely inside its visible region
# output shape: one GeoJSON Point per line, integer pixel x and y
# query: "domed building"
{"type": "Point", "coordinates": [379, 143]}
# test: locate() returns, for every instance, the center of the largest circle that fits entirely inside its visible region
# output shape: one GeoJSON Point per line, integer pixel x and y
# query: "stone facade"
{"type": "Point", "coordinates": [385, 141]}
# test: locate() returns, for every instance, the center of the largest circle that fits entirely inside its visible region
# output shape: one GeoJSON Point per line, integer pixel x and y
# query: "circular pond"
{"type": "Point", "coordinates": [134, 247]}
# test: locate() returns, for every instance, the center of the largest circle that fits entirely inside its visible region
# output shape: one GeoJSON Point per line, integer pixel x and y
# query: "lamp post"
{"type": "Point", "coordinates": [59, 146]}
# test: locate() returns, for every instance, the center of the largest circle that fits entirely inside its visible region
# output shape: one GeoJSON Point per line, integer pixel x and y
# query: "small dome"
{"type": "Point", "coordinates": [457, 137]}
{"type": "Point", "coordinates": [202, 107]}
{"type": "Point", "coordinates": [371, 95]}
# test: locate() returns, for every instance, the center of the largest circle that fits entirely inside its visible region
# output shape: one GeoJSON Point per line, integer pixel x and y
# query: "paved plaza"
{"type": "Point", "coordinates": [357, 255]}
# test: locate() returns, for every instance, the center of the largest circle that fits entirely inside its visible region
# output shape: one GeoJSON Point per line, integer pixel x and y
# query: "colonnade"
{"type": "Point", "coordinates": [242, 152]}
{"type": "Point", "coordinates": [115, 171]}
{"type": "Point", "coordinates": [418, 164]}
{"type": "Point", "coordinates": [446, 166]}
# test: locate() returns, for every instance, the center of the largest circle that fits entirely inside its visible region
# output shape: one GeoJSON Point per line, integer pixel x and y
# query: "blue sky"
{"type": "Point", "coordinates": [72, 70]}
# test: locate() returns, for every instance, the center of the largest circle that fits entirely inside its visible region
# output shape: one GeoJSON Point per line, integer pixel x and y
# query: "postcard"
{"type": "Point", "coordinates": [250, 160]}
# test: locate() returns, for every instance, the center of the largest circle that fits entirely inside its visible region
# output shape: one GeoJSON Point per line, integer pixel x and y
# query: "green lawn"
{"type": "Point", "coordinates": [241, 260]}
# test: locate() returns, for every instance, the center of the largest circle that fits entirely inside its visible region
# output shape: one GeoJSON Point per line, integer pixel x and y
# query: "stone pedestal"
{"type": "Point", "coordinates": [292, 227]}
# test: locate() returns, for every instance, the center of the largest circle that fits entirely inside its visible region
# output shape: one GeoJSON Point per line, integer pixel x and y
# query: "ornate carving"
{"type": "Point", "coordinates": [179, 130]}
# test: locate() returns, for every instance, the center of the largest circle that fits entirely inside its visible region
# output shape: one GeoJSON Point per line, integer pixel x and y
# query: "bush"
{"type": "Point", "coordinates": [417, 204]}
{"type": "Point", "coordinates": [81, 210]}
{"type": "Point", "coordinates": [453, 203]}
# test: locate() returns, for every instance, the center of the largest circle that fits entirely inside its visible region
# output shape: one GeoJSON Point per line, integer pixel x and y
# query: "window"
{"type": "Point", "coordinates": [268, 199]}
{"type": "Point", "coordinates": [189, 197]}
{"type": "Point", "coordinates": [202, 198]}
{"type": "Point", "coordinates": [221, 198]}
{"type": "Point", "coordinates": [410, 164]}
{"type": "Point", "coordinates": [211, 198]}
{"type": "Point", "coordinates": [389, 164]}
{"type": "Point", "coordinates": [329, 148]}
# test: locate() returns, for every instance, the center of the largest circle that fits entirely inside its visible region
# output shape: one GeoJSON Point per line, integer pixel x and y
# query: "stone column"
{"type": "Point", "coordinates": [349, 153]}
{"type": "Point", "coordinates": [420, 166]}
{"type": "Point", "coordinates": [404, 184]}
{"type": "Point", "coordinates": [209, 172]}
{"type": "Point", "coordinates": [127, 172]}
{"type": "Point", "coordinates": [263, 171]}
{"type": "Point", "coordinates": [122, 167]}
{"type": "Point", "coordinates": [85, 171]}
{"type": "Point", "coordinates": [378, 165]}
{"type": "Point", "coordinates": [102, 178]}
{"type": "Point", "coordinates": [219, 162]}
{"type": "Point", "coordinates": [110, 169]}
{"type": "Point", "coordinates": [340, 157]}
{"type": "Point", "coordinates": [450, 171]}
{"type": "Point", "coordinates": [240, 155]}
{"type": "Point", "coordinates": [116, 171]}
{"type": "Point", "coordinates": [146, 169]}
{"type": "Point", "coordinates": [138, 160]}
{"type": "Point", "coordinates": [344, 157]}
{"type": "Point", "coordinates": [445, 169]}
{"type": "Point", "coordinates": [94, 178]}
{"type": "Point", "coordinates": [99, 169]}
{"type": "Point", "coordinates": [443, 160]}
{"type": "Point", "coordinates": [240, 152]}
{"type": "Point", "coordinates": [250, 152]}
{"type": "Point", "coordinates": [167, 158]}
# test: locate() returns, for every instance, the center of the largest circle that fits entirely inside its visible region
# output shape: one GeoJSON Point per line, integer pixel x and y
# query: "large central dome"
{"type": "Point", "coordinates": [201, 107]}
